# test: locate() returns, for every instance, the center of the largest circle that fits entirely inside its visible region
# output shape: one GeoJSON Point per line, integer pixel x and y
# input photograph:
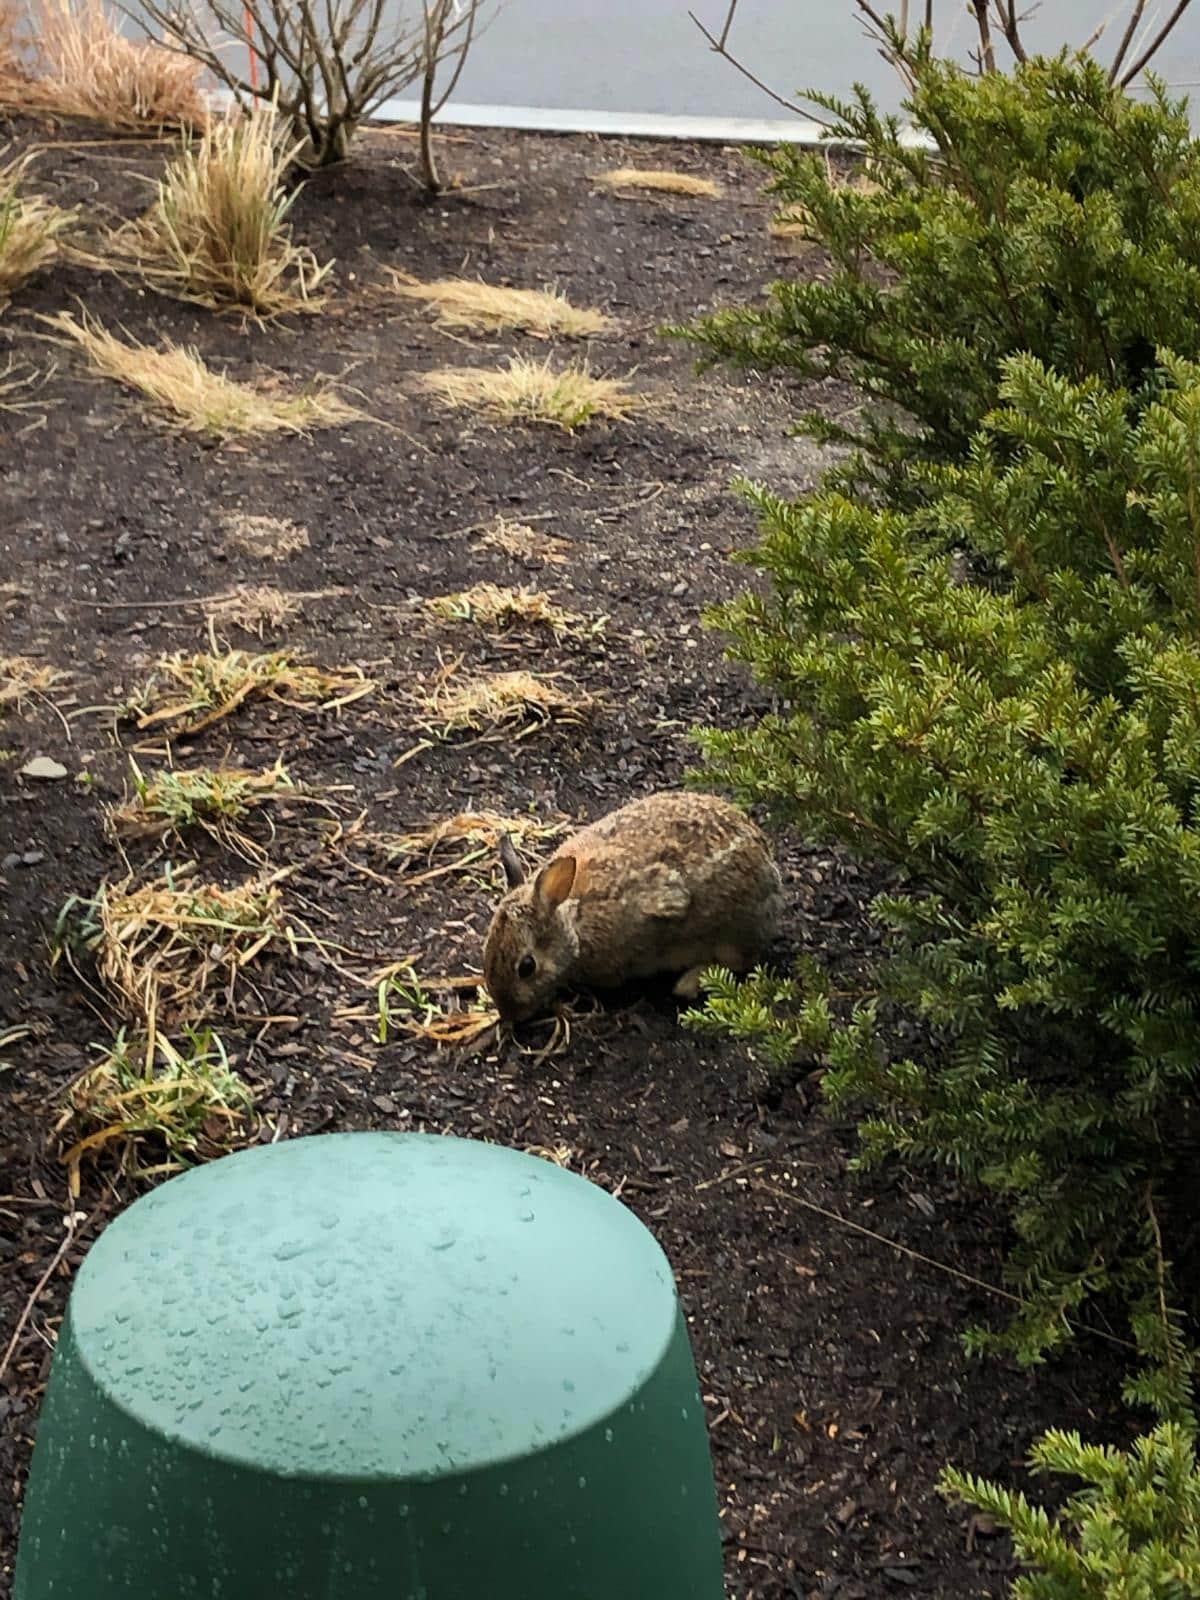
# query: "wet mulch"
{"type": "Point", "coordinates": [825, 1310]}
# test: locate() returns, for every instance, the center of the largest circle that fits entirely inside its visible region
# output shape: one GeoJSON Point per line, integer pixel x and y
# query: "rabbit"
{"type": "Point", "coordinates": [674, 882]}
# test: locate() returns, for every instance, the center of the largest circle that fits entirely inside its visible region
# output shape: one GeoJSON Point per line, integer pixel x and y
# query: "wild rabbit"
{"type": "Point", "coordinates": [674, 882]}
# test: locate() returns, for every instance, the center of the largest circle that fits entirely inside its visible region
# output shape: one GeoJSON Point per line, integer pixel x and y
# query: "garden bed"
{"type": "Point", "coordinates": [830, 1358]}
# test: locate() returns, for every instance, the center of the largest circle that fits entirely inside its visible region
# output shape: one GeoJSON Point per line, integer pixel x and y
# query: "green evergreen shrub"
{"type": "Point", "coordinates": [1025, 749]}
{"type": "Point", "coordinates": [1055, 216]}
{"type": "Point", "coordinates": [1132, 1533]}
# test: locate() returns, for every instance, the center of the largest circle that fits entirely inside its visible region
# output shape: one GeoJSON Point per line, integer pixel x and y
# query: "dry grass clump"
{"type": "Point", "coordinates": [22, 679]}
{"type": "Point", "coordinates": [218, 232]}
{"type": "Point", "coordinates": [170, 949]}
{"type": "Point", "coordinates": [176, 381]}
{"type": "Point", "coordinates": [491, 606]}
{"type": "Point", "coordinates": [535, 391]}
{"type": "Point", "coordinates": [84, 66]}
{"type": "Point", "coordinates": [524, 543]}
{"type": "Point", "coordinates": [495, 703]}
{"type": "Point", "coordinates": [29, 228]}
{"type": "Point", "coordinates": [191, 692]}
{"type": "Point", "coordinates": [155, 1105]}
{"type": "Point", "coordinates": [471, 836]}
{"type": "Point", "coordinates": [431, 1008]}
{"type": "Point", "coordinates": [253, 607]}
{"type": "Point", "coordinates": [659, 180]}
{"type": "Point", "coordinates": [486, 307]}
{"type": "Point", "coordinates": [270, 538]}
{"type": "Point", "coordinates": [213, 798]}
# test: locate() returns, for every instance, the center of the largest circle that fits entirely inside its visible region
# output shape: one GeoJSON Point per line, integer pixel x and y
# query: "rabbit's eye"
{"type": "Point", "coordinates": [526, 967]}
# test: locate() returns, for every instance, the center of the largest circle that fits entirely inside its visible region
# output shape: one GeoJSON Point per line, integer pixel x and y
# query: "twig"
{"type": "Point", "coordinates": [927, 1261]}
{"type": "Point", "coordinates": [73, 1231]}
{"type": "Point", "coordinates": [718, 44]}
{"type": "Point", "coordinates": [1155, 44]}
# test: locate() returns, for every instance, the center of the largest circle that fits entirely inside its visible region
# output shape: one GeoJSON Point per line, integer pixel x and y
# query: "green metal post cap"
{"type": "Point", "coordinates": [373, 1365]}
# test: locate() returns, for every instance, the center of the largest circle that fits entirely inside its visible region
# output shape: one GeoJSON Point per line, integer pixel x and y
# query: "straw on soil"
{"type": "Point", "coordinates": [467, 838]}
{"type": "Point", "coordinates": [22, 679]}
{"type": "Point", "coordinates": [191, 692]}
{"type": "Point", "coordinates": [659, 180]}
{"type": "Point", "coordinates": [491, 606]}
{"type": "Point", "coordinates": [486, 307]}
{"type": "Point", "coordinates": [176, 381]}
{"type": "Point", "coordinates": [173, 949]}
{"type": "Point", "coordinates": [253, 608]}
{"type": "Point", "coordinates": [154, 1105]}
{"type": "Point", "coordinates": [218, 233]}
{"type": "Point", "coordinates": [30, 228]}
{"type": "Point", "coordinates": [84, 66]}
{"type": "Point", "coordinates": [272, 538]}
{"type": "Point", "coordinates": [407, 1002]}
{"type": "Point", "coordinates": [213, 798]}
{"type": "Point", "coordinates": [497, 702]}
{"type": "Point", "coordinates": [536, 391]}
{"type": "Point", "coordinates": [524, 543]}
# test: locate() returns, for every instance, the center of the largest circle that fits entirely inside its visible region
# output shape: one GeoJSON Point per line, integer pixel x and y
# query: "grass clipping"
{"type": "Point", "coordinates": [191, 692]}
{"type": "Point", "coordinates": [171, 950]}
{"type": "Point", "coordinates": [659, 180]}
{"type": "Point", "coordinates": [489, 605]}
{"type": "Point", "coordinates": [82, 65]}
{"type": "Point", "coordinates": [218, 232]}
{"type": "Point", "coordinates": [29, 228]}
{"type": "Point", "coordinates": [497, 704]}
{"type": "Point", "coordinates": [521, 542]}
{"type": "Point", "coordinates": [215, 799]}
{"type": "Point", "coordinates": [489, 308]}
{"type": "Point", "coordinates": [467, 838]}
{"type": "Point", "coordinates": [156, 1106]}
{"type": "Point", "coordinates": [22, 680]}
{"type": "Point", "coordinates": [176, 383]}
{"type": "Point", "coordinates": [536, 391]}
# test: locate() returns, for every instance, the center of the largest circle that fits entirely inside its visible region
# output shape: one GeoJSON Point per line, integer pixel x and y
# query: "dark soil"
{"type": "Point", "coordinates": [830, 1358]}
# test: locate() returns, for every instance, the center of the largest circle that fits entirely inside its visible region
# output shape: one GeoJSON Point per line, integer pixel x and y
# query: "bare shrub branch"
{"type": "Point", "coordinates": [327, 64]}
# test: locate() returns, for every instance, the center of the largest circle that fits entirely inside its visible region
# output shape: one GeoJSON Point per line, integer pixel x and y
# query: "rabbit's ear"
{"type": "Point", "coordinates": [554, 882]}
{"type": "Point", "coordinates": [514, 872]}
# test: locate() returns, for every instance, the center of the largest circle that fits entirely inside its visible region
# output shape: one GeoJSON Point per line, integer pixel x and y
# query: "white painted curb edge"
{"type": "Point", "coordinates": [627, 124]}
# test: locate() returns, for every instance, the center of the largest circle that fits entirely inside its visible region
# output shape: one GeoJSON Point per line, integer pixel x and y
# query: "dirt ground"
{"type": "Point", "coordinates": [829, 1357]}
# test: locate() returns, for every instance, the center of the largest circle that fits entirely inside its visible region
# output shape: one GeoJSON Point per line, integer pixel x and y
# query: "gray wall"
{"type": "Point", "coordinates": [646, 56]}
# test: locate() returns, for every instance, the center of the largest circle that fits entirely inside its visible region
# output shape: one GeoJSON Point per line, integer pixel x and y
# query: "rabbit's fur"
{"type": "Point", "coordinates": [674, 882]}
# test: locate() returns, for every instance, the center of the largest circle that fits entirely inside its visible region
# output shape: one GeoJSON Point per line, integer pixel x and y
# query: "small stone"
{"type": "Point", "coordinates": [43, 767]}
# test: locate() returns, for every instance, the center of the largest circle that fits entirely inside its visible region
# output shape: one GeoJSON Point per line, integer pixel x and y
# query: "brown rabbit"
{"type": "Point", "coordinates": [674, 882]}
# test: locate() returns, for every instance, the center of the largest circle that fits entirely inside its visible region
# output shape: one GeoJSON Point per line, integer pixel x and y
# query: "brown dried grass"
{"type": "Point", "coordinates": [191, 692]}
{"type": "Point", "coordinates": [177, 384]}
{"type": "Point", "coordinates": [218, 232]}
{"type": "Point", "coordinates": [23, 679]}
{"type": "Point", "coordinates": [659, 180]}
{"type": "Point", "coordinates": [215, 799]}
{"type": "Point", "coordinates": [496, 704]}
{"type": "Point", "coordinates": [30, 228]}
{"type": "Point", "coordinates": [490, 308]}
{"type": "Point", "coordinates": [536, 391]}
{"type": "Point", "coordinates": [155, 1106]}
{"type": "Point", "coordinates": [270, 538]}
{"type": "Point", "coordinates": [489, 605]}
{"type": "Point", "coordinates": [84, 66]}
{"type": "Point", "coordinates": [524, 543]}
{"type": "Point", "coordinates": [468, 838]}
{"type": "Point", "coordinates": [170, 950]}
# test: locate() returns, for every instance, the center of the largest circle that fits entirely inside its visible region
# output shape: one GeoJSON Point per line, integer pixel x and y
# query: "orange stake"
{"type": "Point", "coordinates": [250, 50]}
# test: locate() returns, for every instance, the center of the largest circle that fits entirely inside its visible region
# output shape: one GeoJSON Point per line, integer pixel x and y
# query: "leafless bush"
{"type": "Point", "coordinates": [894, 33]}
{"type": "Point", "coordinates": [327, 63]}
